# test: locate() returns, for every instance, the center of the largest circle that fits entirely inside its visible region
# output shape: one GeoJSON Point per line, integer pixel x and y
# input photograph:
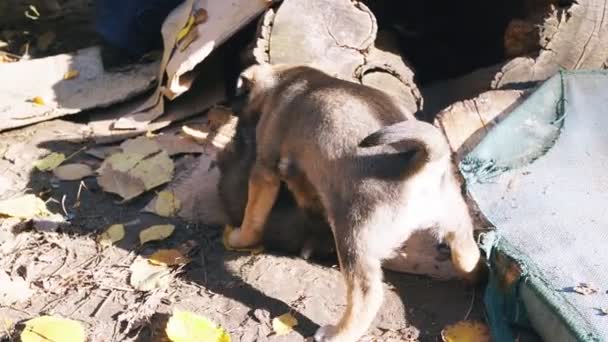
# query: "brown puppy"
{"type": "Point", "coordinates": [376, 184]}
{"type": "Point", "coordinates": [288, 229]}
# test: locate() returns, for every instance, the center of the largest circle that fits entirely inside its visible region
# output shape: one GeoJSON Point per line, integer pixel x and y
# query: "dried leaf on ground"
{"type": "Point", "coordinates": [254, 250]}
{"type": "Point", "coordinates": [154, 171]}
{"type": "Point", "coordinates": [186, 29]}
{"type": "Point", "coordinates": [175, 144]}
{"type": "Point", "coordinates": [184, 326]}
{"type": "Point", "coordinates": [26, 206]}
{"type": "Point", "coordinates": [154, 233]}
{"type": "Point", "coordinates": [166, 204]}
{"type": "Point", "coordinates": [50, 328]}
{"type": "Point", "coordinates": [284, 324]}
{"type": "Point", "coordinates": [168, 257]}
{"type": "Point", "coordinates": [140, 145]}
{"type": "Point", "coordinates": [122, 162]}
{"type": "Point", "coordinates": [113, 234]}
{"type": "Point", "coordinates": [71, 172]}
{"type": "Point", "coordinates": [71, 74]}
{"type": "Point", "coordinates": [50, 162]}
{"type": "Point", "coordinates": [102, 152]}
{"type": "Point", "coordinates": [466, 331]}
{"type": "Point", "coordinates": [147, 277]}
{"type": "Point", "coordinates": [585, 289]}
{"type": "Point", "coordinates": [13, 289]}
{"type": "Point", "coordinates": [120, 183]}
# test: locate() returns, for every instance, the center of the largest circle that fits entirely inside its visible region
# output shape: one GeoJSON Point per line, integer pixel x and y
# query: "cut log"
{"type": "Point", "coordinates": [466, 122]}
{"type": "Point", "coordinates": [340, 39]}
{"type": "Point", "coordinates": [569, 34]}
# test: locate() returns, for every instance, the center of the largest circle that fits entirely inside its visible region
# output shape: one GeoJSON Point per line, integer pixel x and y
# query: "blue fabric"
{"type": "Point", "coordinates": [132, 25]}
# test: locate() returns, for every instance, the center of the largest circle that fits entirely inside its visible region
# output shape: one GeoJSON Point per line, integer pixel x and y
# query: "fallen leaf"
{"type": "Point", "coordinates": [101, 152]}
{"type": "Point", "coordinates": [466, 331]}
{"type": "Point", "coordinates": [50, 328]}
{"type": "Point", "coordinates": [154, 233]}
{"type": "Point", "coordinates": [186, 29]}
{"type": "Point", "coordinates": [603, 311]}
{"type": "Point", "coordinates": [26, 206]}
{"type": "Point", "coordinates": [585, 289]}
{"type": "Point", "coordinates": [71, 172]}
{"type": "Point", "coordinates": [37, 100]}
{"type": "Point", "coordinates": [13, 289]}
{"type": "Point", "coordinates": [284, 324]}
{"type": "Point", "coordinates": [184, 326]}
{"type": "Point", "coordinates": [140, 145]}
{"type": "Point", "coordinates": [120, 183]}
{"type": "Point", "coordinates": [254, 250]}
{"type": "Point", "coordinates": [50, 162]}
{"type": "Point", "coordinates": [113, 234]}
{"type": "Point", "coordinates": [122, 162]}
{"type": "Point", "coordinates": [175, 144]}
{"type": "Point", "coordinates": [147, 277]}
{"type": "Point", "coordinates": [154, 171]}
{"type": "Point", "coordinates": [166, 204]}
{"type": "Point", "coordinates": [168, 257]}
{"type": "Point", "coordinates": [71, 74]}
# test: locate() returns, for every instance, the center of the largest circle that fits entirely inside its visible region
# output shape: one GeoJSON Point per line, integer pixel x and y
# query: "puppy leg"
{"type": "Point", "coordinates": [263, 190]}
{"type": "Point", "coordinates": [458, 229]}
{"type": "Point", "coordinates": [363, 276]}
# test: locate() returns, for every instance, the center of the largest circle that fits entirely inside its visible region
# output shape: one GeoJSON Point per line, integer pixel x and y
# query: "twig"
{"type": "Point", "coordinates": [466, 316]}
{"type": "Point", "coordinates": [75, 153]}
{"type": "Point", "coordinates": [102, 304]}
{"type": "Point", "coordinates": [63, 205]}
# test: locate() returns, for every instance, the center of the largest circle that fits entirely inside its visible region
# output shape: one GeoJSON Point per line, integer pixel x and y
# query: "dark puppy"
{"type": "Point", "coordinates": [288, 229]}
{"type": "Point", "coordinates": [350, 152]}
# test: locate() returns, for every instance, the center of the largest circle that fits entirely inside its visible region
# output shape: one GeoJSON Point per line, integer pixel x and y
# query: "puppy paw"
{"type": "Point", "coordinates": [240, 238]}
{"type": "Point", "coordinates": [326, 333]}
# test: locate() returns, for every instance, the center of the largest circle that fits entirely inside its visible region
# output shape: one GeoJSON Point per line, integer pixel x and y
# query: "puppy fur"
{"type": "Point", "coordinates": [350, 152]}
{"type": "Point", "coordinates": [288, 229]}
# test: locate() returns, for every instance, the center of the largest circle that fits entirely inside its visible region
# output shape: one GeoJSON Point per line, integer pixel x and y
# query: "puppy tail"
{"type": "Point", "coordinates": [413, 134]}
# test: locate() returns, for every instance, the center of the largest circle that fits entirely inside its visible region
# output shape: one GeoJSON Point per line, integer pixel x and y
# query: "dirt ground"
{"type": "Point", "coordinates": [73, 277]}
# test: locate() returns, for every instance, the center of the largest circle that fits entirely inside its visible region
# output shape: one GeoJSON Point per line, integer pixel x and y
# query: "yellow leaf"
{"type": "Point", "coordinates": [72, 171]}
{"type": "Point", "coordinates": [49, 328]}
{"type": "Point", "coordinates": [158, 232]}
{"type": "Point", "coordinates": [26, 206]}
{"type": "Point", "coordinates": [284, 324]}
{"type": "Point", "coordinates": [37, 100]}
{"type": "Point", "coordinates": [140, 145]}
{"type": "Point", "coordinates": [184, 326]}
{"type": "Point", "coordinates": [71, 74]}
{"type": "Point", "coordinates": [184, 31]}
{"type": "Point", "coordinates": [168, 257]}
{"type": "Point", "coordinates": [254, 250]}
{"type": "Point", "coordinates": [466, 331]}
{"type": "Point", "coordinates": [166, 204]}
{"type": "Point", "coordinates": [113, 234]}
{"type": "Point", "coordinates": [154, 171]}
{"type": "Point", "coordinates": [50, 162]}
